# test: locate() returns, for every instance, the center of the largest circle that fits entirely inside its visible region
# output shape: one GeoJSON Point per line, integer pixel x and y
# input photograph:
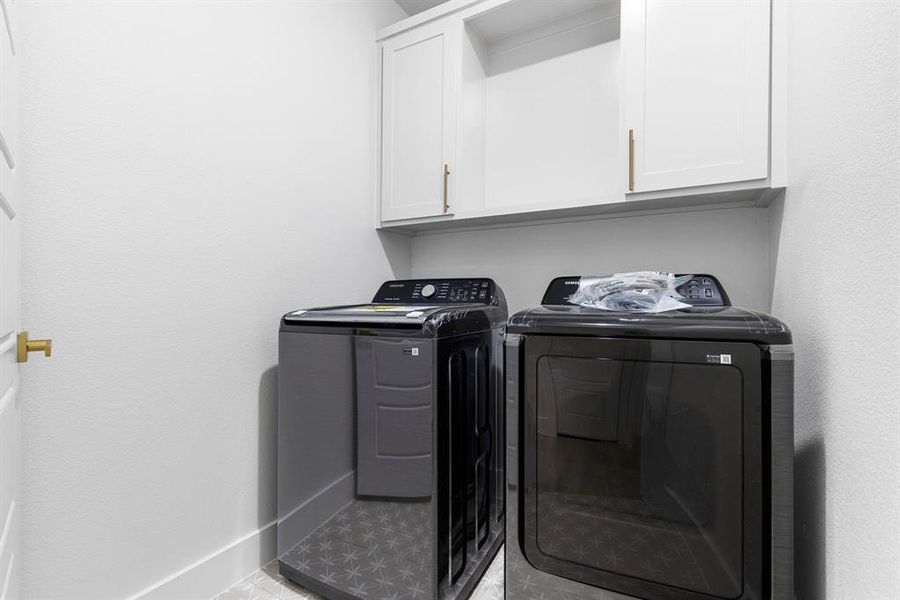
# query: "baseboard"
{"type": "Point", "coordinates": [314, 511]}
{"type": "Point", "coordinates": [215, 572]}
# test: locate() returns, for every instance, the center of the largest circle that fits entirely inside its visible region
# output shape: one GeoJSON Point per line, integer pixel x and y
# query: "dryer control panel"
{"type": "Point", "coordinates": [436, 291]}
{"type": "Point", "coordinates": [704, 290]}
{"type": "Point", "coordinates": [701, 290]}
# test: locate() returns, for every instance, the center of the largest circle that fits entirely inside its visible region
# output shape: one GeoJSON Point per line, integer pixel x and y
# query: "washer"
{"type": "Point", "coordinates": [390, 425]}
{"type": "Point", "coordinates": [649, 455]}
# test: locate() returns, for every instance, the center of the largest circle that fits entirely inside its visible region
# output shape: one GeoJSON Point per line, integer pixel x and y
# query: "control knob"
{"type": "Point", "coordinates": [428, 290]}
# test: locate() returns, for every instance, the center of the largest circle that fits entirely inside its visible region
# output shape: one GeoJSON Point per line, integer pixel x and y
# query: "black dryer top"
{"type": "Point", "coordinates": [710, 318]}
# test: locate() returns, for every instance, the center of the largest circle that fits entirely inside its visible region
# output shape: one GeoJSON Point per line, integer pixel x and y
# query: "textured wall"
{"type": "Point", "coordinates": [193, 170]}
{"type": "Point", "coordinates": [730, 243]}
{"type": "Point", "coordinates": [836, 284]}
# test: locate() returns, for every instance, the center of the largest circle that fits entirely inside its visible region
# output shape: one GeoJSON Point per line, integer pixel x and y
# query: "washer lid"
{"type": "Point", "coordinates": [435, 307]}
{"type": "Point", "coordinates": [371, 314]}
{"type": "Point", "coordinates": [702, 323]}
{"type": "Point", "coordinates": [424, 320]}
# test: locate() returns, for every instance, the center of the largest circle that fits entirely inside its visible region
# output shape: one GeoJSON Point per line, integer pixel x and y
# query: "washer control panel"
{"type": "Point", "coordinates": [436, 291]}
{"type": "Point", "coordinates": [701, 290]}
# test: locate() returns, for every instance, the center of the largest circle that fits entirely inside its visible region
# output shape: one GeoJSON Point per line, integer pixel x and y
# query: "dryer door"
{"type": "Point", "coordinates": [642, 465]}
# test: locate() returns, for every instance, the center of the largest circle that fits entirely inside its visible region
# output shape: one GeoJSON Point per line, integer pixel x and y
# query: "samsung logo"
{"type": "Point", "coordinates": [396, 285]}
{"type": "Point", "coordinates": [573, 282]}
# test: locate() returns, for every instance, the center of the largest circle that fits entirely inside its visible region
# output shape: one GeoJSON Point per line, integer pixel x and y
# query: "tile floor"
{"type": "Point", "coordinates": [374, 546]}
{"type": "Point", "coordinates": [267, 584]}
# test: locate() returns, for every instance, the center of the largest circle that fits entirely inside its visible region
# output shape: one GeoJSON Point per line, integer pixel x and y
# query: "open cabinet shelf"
{"type": "Point", "coordinates": [540, 107]}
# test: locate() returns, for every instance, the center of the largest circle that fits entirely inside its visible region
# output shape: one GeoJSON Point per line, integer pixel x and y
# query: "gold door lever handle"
{"type": "Point", "coordinates": [24, 346]}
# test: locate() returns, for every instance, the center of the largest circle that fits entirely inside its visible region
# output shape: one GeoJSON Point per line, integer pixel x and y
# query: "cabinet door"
{"type": "Point", "coordinates": [419, 90]}
{"type": "Point", "coordinates": [696, 91]}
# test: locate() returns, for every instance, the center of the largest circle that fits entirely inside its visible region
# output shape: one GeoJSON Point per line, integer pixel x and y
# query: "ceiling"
{"type": "Point", "coordinates": [416, 6]}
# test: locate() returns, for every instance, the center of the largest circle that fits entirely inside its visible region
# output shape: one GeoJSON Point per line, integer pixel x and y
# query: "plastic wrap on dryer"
{"type": "Point", "coordinates": [636, 292]}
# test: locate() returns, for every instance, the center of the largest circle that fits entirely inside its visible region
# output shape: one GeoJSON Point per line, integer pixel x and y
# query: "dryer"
{"type": "Point", "coordinates": [649, 455]}
{"type": "Point", "coordinates": [390, 437]}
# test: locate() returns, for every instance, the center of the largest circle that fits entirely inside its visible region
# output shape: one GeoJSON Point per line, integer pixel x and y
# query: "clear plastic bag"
{"type": "Point", "coordinates": [638, 292]}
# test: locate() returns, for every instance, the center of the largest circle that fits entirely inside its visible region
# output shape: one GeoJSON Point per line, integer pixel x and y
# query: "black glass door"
{"type": "Point", "coordinates": [642, 465]}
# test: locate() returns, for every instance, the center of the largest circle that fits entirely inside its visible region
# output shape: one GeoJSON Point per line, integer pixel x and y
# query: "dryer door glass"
{"type": "Point", "coordinates": [637, 467]}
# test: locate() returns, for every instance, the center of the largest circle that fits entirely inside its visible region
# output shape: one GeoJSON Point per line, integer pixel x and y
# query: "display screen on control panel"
{"type": "Point", "coordinates": [701, 290]}
{"type": "Point", "coordinates": [436, 291]}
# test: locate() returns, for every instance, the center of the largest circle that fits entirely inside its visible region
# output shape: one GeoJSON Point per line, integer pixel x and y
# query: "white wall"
{"type": "Point", "coordinates": [193, 170]}
{"type": "Point", "coordinates": [836, 285]}
{"type": "Point", "coordinates": [730, 243]}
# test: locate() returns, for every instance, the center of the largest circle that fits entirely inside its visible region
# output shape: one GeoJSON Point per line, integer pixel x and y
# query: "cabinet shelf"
{"type": "Point", "coordinates": [744, 194]}
{"type": "Point", "coordinates": [520, 33]}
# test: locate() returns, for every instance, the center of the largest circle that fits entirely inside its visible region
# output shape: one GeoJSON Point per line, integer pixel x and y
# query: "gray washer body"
{"type": "Point", "coordinates": [363, 448]}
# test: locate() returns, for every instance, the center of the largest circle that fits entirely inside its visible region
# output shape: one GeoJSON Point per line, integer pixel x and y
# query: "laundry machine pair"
{"type": "Point", "coordinates": [647, 456]}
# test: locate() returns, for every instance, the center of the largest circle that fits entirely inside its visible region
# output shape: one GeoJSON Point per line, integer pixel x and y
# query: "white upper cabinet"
{"type": "Point", "coordinates": [419, 78]}
{"type": "Point", "coordinates": [696, 92]}
{"type": "Point", "coordinates": [550, 109]}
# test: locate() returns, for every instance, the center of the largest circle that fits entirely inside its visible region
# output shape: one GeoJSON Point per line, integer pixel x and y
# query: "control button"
{"type": "Point", "coordinates": [428, 291]}
{"type": "Point", "coordinates": [708, 293]}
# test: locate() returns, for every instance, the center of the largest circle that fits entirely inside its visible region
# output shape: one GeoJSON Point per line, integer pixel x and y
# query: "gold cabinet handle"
{"type": "Point", "coordinates": [24, 346]}
{"type": "Point", "coordinates": [631, 160]}
{"type": "Point", "coordinates": [446, 177]}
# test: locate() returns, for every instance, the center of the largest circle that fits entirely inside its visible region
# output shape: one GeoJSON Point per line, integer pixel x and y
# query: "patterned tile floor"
{"type": "Point", "coordinates": [267, 584]}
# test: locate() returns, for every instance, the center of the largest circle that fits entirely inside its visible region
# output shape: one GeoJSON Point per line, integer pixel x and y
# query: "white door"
{"type": "Point", "coordinates": [10, 511]}
{"type": "Point", "coordinates": [696, 91]}
{"type": "Point", "coordinates": [420, 73]}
